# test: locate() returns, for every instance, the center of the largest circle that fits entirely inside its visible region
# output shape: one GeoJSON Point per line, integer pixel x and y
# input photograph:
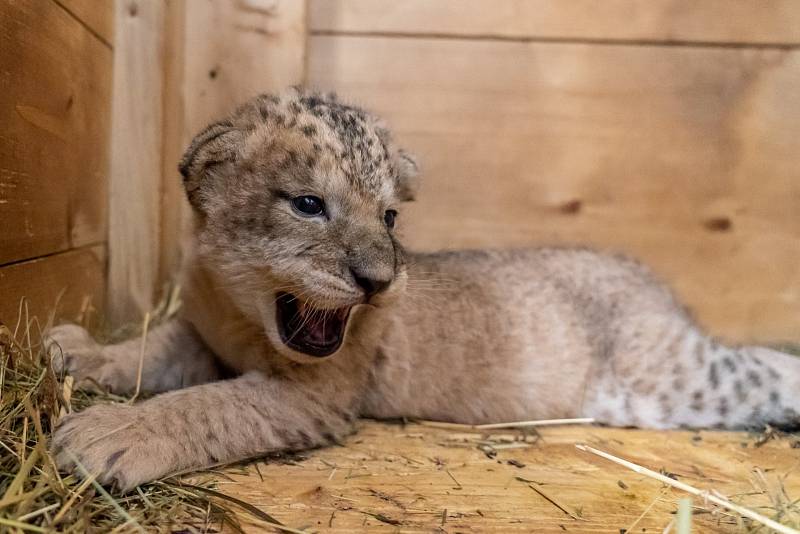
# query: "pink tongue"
{"type": "Point", "coordinates": [316, 330]}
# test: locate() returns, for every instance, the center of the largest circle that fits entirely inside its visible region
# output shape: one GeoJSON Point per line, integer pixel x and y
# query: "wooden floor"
{"type": "Point", "coordinates": [413, 478]}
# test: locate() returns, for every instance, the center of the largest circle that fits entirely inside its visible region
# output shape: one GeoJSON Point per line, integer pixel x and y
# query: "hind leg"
{"type": "Point", "coordinates": [174, 357]}
{"type": "Point", "coordinates": [664, 373]}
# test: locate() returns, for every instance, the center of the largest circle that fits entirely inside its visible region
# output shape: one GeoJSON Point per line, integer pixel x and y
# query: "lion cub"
{"type": "Point", "coordinates": [303, 312]}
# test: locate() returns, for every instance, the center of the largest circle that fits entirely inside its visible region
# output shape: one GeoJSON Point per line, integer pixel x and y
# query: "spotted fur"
{"type": "Point", "coordinates": [471, 336]}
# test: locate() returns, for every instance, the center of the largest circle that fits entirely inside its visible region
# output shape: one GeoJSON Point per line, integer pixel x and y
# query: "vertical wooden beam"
{"type": "Point", "coordinates": [179, 65]}
{"type": "Point", "coordinates": [136, 157]}
{"type": "Point", "coordinates": [238, 49]}
{"type": "Point", "coordinates": [217, 55]}
{"type": "Point", "coordinates": [174, 208]}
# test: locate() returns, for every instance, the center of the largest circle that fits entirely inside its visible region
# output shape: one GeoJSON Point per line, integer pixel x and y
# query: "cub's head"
{"type": "Point", "coordinates": [296, 198]}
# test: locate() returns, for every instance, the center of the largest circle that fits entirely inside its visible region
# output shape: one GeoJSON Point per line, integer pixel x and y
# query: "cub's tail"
{"type": "Point", "coordinates": [763, 387]}
{"type": "Point", "coordinates": [687, 380]}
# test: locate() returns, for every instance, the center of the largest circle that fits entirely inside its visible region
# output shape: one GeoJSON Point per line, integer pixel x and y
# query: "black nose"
{"type": "Point", "coordinates": [369, 285]}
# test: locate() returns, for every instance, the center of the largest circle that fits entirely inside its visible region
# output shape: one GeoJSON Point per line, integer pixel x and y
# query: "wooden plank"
{"type": "Point", "coordinates": [55, 112]}
{"type": "Point", "coordinates": [136, 153]}
{"type": "Point", "coordinates": [683, 157]}
{"type": "Point", "coordinates": [239, 49]}
{"type": "Point", "coordinates": [99, 16]}
{"type": "Point", "coordinates": [412, 478]}
{"type": "Point", "coordinates": [229, 52]}
{"type": "Point", "coordinates": [175, 211]}
{"type": "Point", "coordinates": [705, 21]}
{"type": "Point", "coordinates": [78, 276]}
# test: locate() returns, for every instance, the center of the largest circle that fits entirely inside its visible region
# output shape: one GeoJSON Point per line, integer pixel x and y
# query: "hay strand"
{"type": "Point", "coordinates": [91, 477]}
{"type": "Point", "coordinates": [646, 511]}
{"type": "Point", "coordinates": [707, 495]}
{"type": "Point", "coordinates": [683, 520]}
{"type": "Point", "coordinates": [141, 359]}
{"type": "Point", "coordinates": [515, 424]}
{"type": "Point", "coordinates": [33, 496]}
{"type": "Point", "coordinates": [555, 503]}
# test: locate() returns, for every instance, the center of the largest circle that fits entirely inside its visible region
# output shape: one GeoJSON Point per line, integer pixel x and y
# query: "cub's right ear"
{"type": "Point", "coordinates": [407, 176]}
{"type": "Point", "coordinates": [214, 146]}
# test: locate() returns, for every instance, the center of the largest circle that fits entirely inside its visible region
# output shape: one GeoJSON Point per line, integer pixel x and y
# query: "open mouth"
{"type": "Point", "coordinates": [310, 330]}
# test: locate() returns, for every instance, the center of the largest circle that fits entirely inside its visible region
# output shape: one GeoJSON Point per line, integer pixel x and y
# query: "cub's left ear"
{"type": "Point", "coordinates": [407, 176]}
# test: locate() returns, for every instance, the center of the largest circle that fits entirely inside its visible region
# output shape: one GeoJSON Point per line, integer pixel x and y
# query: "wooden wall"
{"type": "Point", "coordinates": [668, 129]}
{"type": "Point", "coordinates": [179, 65]}
{"type": "Point", "coordinates": [55, 95]}
{"type": "Point", "coordinates": [98, 100]}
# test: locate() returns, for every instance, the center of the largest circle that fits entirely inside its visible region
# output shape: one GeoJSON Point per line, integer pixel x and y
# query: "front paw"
{"type": "Point", "coordinates": [112, 443]}
{"type": "Point", "coordinates": [72, 350]}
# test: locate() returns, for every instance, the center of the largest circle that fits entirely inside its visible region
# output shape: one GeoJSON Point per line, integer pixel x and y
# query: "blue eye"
{"type": "Point", "coordinates": [308, 206]}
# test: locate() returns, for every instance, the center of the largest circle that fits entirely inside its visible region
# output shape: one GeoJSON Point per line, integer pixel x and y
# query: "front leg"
{"type": "Point", "coordinates": [204, 425]}
{"type": "Point", "coordinates": [174, 357]}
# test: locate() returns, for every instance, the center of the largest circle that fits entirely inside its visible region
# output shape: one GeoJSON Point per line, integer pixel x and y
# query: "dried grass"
{"type": "Point", "coordinates": [35, 497]}
{"type": "Point", "coordinates": [781, 507]}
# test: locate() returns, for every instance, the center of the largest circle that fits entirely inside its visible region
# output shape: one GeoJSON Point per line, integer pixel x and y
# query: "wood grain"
{"type": "Point", "coordinates": [79, 274]}
{"type": "Point", "coordinates": [235, 50]}
{"type": "Point", "coordinates": [178, 69]}
{"type": "Point", "coordinates": [683, 157]}
{"type": "Point", "coordinates": [705, 21]}
{"type": "Point", "coordinates": [218, 55]}
{"type": "Point", "coordinates": [175, 211]}
{"type": "Point", "coordinates": [55, 111]}
{"type": "Point", "coordinates": [99, 16]}
{"type": "Point", "coordinates": [136, 152]}
{"type": "Point", "coordinates": [392, 478]}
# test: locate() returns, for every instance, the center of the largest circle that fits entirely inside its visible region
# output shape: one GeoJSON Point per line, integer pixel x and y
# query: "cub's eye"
{"type": "Point", "coordinates": [389, 218]}
{"type": "Point", "coordinates": [308, 205]}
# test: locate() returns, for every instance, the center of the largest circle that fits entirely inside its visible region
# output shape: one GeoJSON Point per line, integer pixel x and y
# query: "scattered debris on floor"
{"type": "Point", "coordinates": [429, 478]}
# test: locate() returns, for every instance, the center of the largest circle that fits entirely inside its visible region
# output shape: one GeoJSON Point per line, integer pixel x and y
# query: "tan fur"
{"type": "Point", "coordinates": [473, 337]}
